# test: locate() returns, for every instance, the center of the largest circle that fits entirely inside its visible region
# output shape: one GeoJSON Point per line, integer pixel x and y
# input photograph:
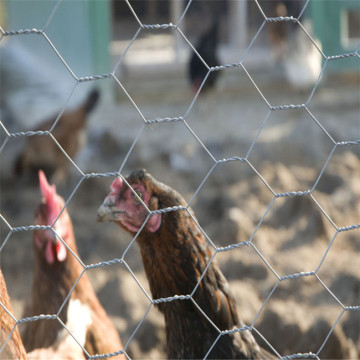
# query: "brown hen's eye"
{"type": "Point", "coordinates": [138, 197]}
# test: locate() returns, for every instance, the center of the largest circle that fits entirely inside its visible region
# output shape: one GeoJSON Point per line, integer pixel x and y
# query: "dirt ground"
{"type": "Point", "coordinates": [294, 151]}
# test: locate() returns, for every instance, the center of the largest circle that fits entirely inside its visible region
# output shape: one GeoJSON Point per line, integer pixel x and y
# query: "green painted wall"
{"type": "Point", "coordinates": [79, 30]}
{"type": "Point", "coordinates": [328, 25]}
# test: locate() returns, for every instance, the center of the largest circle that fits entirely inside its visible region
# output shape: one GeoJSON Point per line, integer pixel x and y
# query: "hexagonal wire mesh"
{"type": "Point", "coordinates": [252, 242]}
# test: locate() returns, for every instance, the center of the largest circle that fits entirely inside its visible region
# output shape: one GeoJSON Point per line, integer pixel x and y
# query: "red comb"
{"type": "Point", "coordinates": [116, 184]}
{"type": "Point", "coordinates": [48, 192]}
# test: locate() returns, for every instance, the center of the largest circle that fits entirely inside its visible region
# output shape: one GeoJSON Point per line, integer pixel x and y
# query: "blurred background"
{"type": "Point", "coordinates": [97, 33]}
{"type": "Point", "coordinates": [99, 69]}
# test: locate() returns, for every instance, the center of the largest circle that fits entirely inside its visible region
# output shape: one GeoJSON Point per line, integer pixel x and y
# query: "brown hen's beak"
{"type": "Point", "coordinates": [105, 213]}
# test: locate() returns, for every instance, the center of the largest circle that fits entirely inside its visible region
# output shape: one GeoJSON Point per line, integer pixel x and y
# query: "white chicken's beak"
{"type": "Point", "coordinates": [105, 213]}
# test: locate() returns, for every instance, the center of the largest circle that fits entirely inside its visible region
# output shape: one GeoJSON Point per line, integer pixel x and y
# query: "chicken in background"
{"type": "Point", "coordinates": [175, 254]}
{"type": "Point", "coordinates": [300, 58]}
{"type": "Point", "coordinates": [302, 61]}
{"type": "Point", "coordinates": [55, 272]}
{"type": "Point", "coordinates": [207, 49]}
{"type": "Point", "coordinates": [41, 152]}
{"type": "Point", "coordinates": [14, 348]}
{"type": "Point", "coordinates": [34, 89]}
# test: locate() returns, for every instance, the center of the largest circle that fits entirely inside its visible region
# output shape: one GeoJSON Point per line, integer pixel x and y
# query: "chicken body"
{"type": "Point", "coordinates": [55, 272]}
{"type": "Point", "coordinates": [299, 56]}
{"type": "Point", "coordinates": [14, 348]}
{"type": "Point", "coordinates": [65, 348]}
{"type": "Point", "coordinates": [175, 254]}
{"type": "Point", "coordinates": [207, 49]}
{"type": "Point", "coordinates": [69, 132]}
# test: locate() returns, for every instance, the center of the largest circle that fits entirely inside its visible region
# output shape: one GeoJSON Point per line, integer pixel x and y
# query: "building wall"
{"type": "Point", "coordinates": [79, 30]}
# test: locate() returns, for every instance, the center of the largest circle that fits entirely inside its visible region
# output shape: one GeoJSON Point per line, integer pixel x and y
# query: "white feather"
{"type": "Point", "coordinates": [78, 321]}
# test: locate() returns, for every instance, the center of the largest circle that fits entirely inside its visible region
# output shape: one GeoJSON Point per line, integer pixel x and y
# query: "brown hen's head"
{"type": "Point", "coordinates": [130, 202]}
{"type": "Point", "coordinates": [46, 241]}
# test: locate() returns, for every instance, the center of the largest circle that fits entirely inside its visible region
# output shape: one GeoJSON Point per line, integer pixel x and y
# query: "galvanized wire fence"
{"type": "Point", "coordinates": [177, 29]}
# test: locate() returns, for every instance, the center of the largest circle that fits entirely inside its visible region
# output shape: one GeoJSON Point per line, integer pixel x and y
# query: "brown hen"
{"type": "Point", "coordinates": [14, 348]}
{"type": "Point", "coordinates": [175, 254]}
{"type": "Point", "coordinates": [69, 132]}
{"type": "Point", "coordinates": [55, 272]}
